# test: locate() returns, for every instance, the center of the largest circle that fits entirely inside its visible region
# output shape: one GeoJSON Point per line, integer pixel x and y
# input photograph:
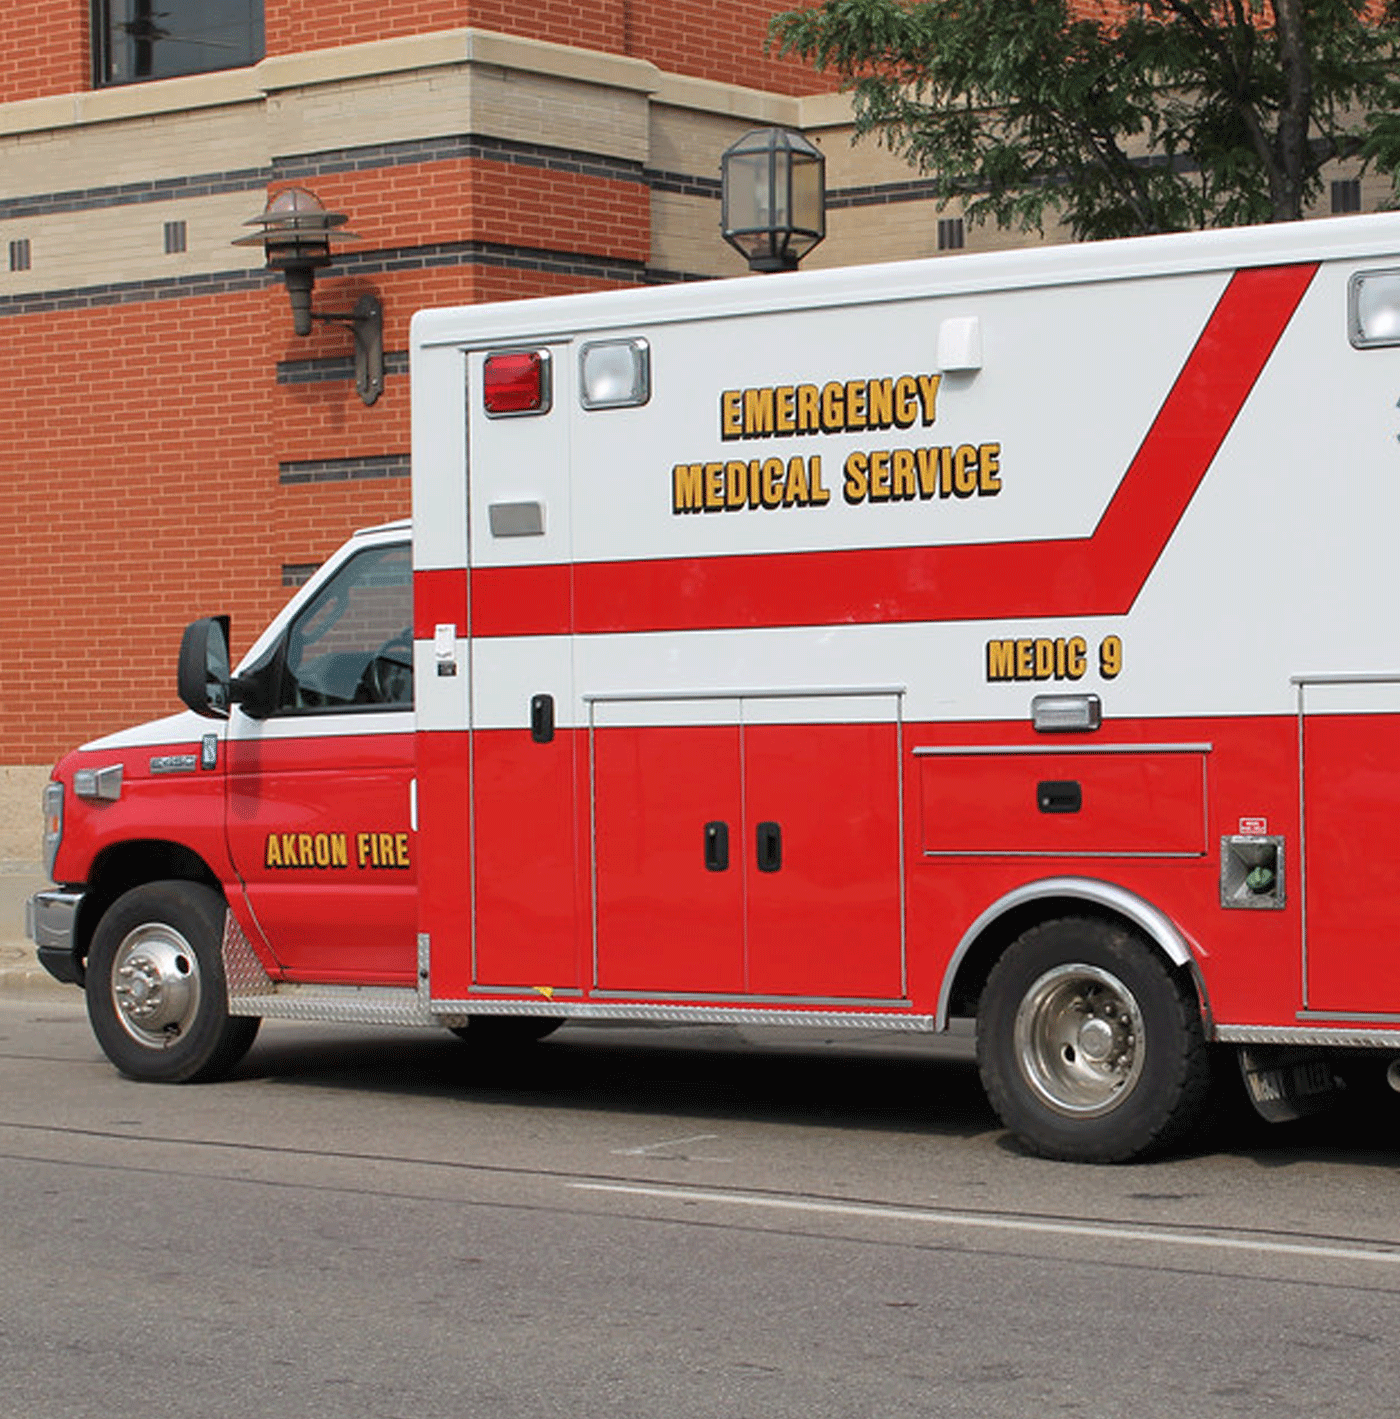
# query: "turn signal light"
{"type": "Point", "coordinates": [53, 822]}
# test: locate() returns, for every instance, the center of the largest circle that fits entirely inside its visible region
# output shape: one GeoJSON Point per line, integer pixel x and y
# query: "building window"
{"type": "Point", "coordinates": [951, 234]}
{"type": "Point", "coordinates": [134, 40]}
{"type": "Point", "coordinates": [1346, 195]}
{"type": "Point", "coordinates": [174, 237]}
{"type": "Point", "coordinates": [19, 254]}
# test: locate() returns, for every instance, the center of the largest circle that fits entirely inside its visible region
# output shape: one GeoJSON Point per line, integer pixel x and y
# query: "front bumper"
{"type": "Point", "coordinates": [50, 922]}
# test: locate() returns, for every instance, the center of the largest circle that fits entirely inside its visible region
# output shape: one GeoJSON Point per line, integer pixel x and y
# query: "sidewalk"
{"type": "Point", "coordinates": [20, 971]}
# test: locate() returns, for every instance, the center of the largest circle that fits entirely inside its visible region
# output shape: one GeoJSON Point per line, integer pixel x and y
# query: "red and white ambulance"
{"type": "Point", "coordinates": [1010, 636]}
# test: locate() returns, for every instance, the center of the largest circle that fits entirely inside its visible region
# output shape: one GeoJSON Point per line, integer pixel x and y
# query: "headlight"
{"type": "Point", "coordinates": [53, 823]}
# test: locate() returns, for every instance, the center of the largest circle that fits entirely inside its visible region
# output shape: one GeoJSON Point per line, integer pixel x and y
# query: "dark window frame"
{"type": "Point", "coordinates": [136, 56]}
{"type": "Point", "coordinates": [1346, 195]}
{"type": "Point", "coordinates": [952, 234]}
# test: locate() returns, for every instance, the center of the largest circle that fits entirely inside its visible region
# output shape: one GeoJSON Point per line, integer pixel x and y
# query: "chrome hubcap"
{"type": "Point", "coordinates": [1079, 1040]}
{"type": "Point", "coordinates": [155, 984]}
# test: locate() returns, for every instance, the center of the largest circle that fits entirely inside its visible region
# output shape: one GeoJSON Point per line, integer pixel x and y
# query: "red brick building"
{"type": "Point", "coordinates": [170, 446]}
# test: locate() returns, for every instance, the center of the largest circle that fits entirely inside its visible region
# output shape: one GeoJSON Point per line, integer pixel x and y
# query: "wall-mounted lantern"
{"type": "Point", "coordinates": [296, 238]}
{"type": "Point", "coordinates": [774, 197]}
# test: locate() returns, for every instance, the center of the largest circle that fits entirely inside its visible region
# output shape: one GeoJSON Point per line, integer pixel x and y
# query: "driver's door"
{"type": "Point", "coordinates": [319, 792]}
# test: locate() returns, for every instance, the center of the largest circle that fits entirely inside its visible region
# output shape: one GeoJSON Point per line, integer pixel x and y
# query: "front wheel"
{"type": "Point", "coordinates": [155, 986]}
{"type": "Point", "coordinates": [1090, 1048]}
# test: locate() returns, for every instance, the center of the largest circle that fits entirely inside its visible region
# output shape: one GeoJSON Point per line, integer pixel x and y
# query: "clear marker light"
{"type": "Point", "coordinates": [615, 374]}
{"type": "Point", "coordinates": [1373, 301]}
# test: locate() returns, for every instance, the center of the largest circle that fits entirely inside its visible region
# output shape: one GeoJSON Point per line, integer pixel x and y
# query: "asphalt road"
{"type": "Point", "coordinates": [657, 1222]}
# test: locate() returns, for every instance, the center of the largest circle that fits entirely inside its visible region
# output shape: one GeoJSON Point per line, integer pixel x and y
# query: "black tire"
{"type": "Point", "coordinates": [1090, 1047]}
{"type": "Point", "coordinates": [505, 1031]}
{"type": "Point", "coordinates": [155, 986]}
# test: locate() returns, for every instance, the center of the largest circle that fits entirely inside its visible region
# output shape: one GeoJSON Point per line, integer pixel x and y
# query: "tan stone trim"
{"type": "Point", "coordinates": [21, 822]}
{"type": "Point", "coordinates": [315, 68]}
{"type": "Point", "coordinates": [106, 246]}
{"type": "Point", "coordinates": [588, 66]}
{"type": "Point", "coordinates": [753, 105]}
{"type": "Point", "coordinates": [826, 111]}
{"type": "Point", "coordinates": [457, 48]}
{"type": "Point", "coordinates": [448, 48]}
{"type": "Point", "coordinates": [160, 96]}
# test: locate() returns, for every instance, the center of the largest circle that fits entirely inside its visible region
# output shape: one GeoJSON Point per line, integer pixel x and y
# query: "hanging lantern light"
{"type": "Point", "coordinates": [774, 198]}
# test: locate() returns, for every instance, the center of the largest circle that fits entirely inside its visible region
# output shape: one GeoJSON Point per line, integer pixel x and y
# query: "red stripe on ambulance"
{"type": "Point", "coordinates": [1096, 575]}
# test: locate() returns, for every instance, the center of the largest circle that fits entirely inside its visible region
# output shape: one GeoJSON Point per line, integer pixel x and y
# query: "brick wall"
{"type": "Point", "coordinates": [294, 25]}
{"type": "Point", "coordinates": [422, 203]}
{"type": "Point", "coordinates": [160, 456]}
{"type": "Point", "coordinates": [148, 481]}
{"type": "Point", "coordinates": [44, 44]}
{"type": "Point", "coordinates": [135, 477]}
{"type": "Point", "coordinates": [171, 445]}
{"type": "Point", "coordinates": [44, 49]}
{"type": "Point", "coordinates": [708, 39]}
{"type": "Point", "coordinates": [719, 39]}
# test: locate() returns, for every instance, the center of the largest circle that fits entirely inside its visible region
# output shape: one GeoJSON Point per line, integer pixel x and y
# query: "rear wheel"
{"type": "Point", "coordinates": [1090, 1047]}
{"type": "Point", "coordinates": [155, 985]}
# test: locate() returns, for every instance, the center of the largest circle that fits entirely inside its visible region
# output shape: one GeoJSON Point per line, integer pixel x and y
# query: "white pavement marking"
{"type": "Point", "coordinates": [649, 1148]}
{"type": "Point", "coordinates": [1108, 1231]}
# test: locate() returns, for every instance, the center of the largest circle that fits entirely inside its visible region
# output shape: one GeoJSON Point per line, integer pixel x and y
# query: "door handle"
{"type": "Point", "coordinates": [542, 718]}
{"type": "Point", "coordinates": [716, 847]}
{"type": "Point", "coordinates": [770, 847]}
{"type": "Point", "coordinates": [1059, 796]}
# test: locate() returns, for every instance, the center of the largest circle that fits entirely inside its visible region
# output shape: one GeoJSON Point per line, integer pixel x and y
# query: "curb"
{"type": "Point", "coordinates": [20, 971]}
{"type": "Point", "coordinates": [19, 983]}
{"type": "Point", "coordinates": [22, 975]}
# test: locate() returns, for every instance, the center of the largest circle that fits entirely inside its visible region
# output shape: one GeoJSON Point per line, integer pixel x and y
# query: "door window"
{"type": "Point", "coordinates": [352, 645]}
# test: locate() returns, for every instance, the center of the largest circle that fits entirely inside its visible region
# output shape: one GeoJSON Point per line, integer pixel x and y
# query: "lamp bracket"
{"type": "Point", "coordinates": [367, 322]}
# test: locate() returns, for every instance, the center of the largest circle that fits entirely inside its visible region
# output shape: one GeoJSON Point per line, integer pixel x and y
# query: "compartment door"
{"type": "Point", "coordinates": [525, 845]}
{"type": "Point", "coordinates": [1351, 846]}
{"type": "Point", "coordinates": [749, 847]}
{"type": "Point", "coordinates": [823, 847]}
{"type": "Point", "coordinates": [668, 847]}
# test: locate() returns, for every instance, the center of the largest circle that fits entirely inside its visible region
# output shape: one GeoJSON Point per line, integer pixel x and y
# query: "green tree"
{"type": "Point", "coordinates": [1168, 115]}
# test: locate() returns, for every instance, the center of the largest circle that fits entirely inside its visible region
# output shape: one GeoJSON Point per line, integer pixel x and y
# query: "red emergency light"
{"type": "Point", "coordinates": [516, 382]}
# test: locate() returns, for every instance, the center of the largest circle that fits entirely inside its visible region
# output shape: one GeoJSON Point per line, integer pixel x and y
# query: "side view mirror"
{"type": "Point", "coordinates": [205, 680]}
{"type": "Point", "coordinates": [203, 675]}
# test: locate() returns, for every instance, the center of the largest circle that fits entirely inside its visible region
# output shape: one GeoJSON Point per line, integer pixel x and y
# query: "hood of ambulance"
{"type": "Point", "coordinates": [140, 747]}
{"type": "Point", "coordinates": [159, 791]}
{"type": "Point", "coordinates": [186, 728]}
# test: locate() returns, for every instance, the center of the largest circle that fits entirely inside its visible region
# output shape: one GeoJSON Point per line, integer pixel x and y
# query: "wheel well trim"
{"type": "Point", "coordinates": [1151, 921]}
{"type": "Point", "coordinates": [110, 875]}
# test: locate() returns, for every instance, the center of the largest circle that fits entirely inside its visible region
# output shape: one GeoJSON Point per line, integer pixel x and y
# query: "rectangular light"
{"type": "Point", "coordinates": [614, 374]}
{"type": "Point", "coordinates": [516, 382]}
{"type": "Point", "coordinates": [1066, 714]}
{"type": "Point", "coordinates": [1373, 308]}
